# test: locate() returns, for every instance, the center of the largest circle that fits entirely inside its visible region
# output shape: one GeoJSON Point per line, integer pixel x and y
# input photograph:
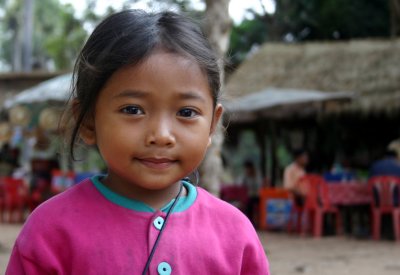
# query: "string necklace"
{"type": "Point", "coordinates": [153, 250]}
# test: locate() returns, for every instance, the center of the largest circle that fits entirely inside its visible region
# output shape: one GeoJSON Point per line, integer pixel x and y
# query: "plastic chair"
{"type": "Point", "coordinates": [317, 204]}
{"type": "Point", "coordinates": [40, 193]}
{"type": "Point", "coordinates": [1, 201]}
{"type": "Point", "coordinates": [296, 217]}
{"type": "Point", "coordinates": [235, 195]}
{"type": "Point", "coordinates": [386, 200]}
{"type": "Point", "coordinates": [61, 180]}
{"type": "Point", "coordinates": [15, 198]}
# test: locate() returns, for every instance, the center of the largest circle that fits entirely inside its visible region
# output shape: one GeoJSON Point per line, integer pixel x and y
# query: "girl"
{"type": "Point", "coordinates": [146, 94]}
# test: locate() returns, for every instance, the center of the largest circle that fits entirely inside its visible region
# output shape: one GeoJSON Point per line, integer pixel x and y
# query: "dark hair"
{"type": "Point", "coordinates": [248, 164]}
{"type": "Point", "coordinates": [299, 152]}
{"type": "Point", "coordinates": [390, 153]}
{"type": "Point", "coordinates": [128, 38]}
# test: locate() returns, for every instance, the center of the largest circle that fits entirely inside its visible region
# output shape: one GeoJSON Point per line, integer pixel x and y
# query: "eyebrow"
{"type": "Point", "coordinates": [191, 95]}
{"type": "Point", "coordinates": [131, 93]}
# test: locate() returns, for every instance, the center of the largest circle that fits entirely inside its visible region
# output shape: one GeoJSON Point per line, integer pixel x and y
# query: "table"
{"type": "Point", "coordinates": [354, 199]}
{"type": "Point", "coordinates": [349, 193]}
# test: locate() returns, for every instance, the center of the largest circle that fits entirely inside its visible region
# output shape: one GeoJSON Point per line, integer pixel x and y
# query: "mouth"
{"type": "Point", "coordinates": [157, 163]}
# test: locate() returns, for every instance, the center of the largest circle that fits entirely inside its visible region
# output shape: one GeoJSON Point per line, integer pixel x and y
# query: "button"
{"type": "Point", "coordinates": [158, 223]}
{"type": "Point", "coordinates": [164, 269]}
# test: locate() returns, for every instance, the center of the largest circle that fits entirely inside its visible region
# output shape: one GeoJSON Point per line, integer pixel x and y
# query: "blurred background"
{"type": "Point", "coordinates": [322, 76]}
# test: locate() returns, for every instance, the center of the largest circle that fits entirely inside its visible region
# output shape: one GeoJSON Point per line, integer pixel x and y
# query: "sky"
{"type": "Point", "coordinates": [237, 8]}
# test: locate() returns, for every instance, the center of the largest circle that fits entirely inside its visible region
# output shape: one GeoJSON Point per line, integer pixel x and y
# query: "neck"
{"type": "Point", "coordinates": [156, 199]}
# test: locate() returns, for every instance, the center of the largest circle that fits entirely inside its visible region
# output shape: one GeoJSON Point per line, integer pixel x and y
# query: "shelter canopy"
{"type": "Point", "coordinates": [54, 89]}
{"type": "Point", "coordinates": [281, 103]}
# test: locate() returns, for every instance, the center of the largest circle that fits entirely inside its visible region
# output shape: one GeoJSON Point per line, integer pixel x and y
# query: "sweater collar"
{"type": "Point", "coordinates": [183, 202]}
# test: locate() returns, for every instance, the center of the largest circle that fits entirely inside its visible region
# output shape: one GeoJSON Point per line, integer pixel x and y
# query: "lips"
{"type": "Point", "coordinates": [157, 163]}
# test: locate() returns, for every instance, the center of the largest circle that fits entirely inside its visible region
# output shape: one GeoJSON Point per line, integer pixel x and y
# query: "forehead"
{"type": "Point", "coordinates": [161, 72]}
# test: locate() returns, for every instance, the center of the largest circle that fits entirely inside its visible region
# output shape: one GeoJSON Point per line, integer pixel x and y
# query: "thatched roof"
{"type": "Point", "coordinates": [370, 68]}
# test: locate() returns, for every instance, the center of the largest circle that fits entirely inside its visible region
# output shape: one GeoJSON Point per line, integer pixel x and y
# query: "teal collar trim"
{"type": "Point", "coordinates": [183, 202]}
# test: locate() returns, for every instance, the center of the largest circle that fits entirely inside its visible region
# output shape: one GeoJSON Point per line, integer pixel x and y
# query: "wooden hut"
{"type": "Point", "coordinates": [360, 129]}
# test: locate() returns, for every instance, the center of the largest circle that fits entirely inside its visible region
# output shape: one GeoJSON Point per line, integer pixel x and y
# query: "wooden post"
{"type": "Point", "coordinates": [260, 135]}
{"type": "Point", "coordinates": [272, 143]}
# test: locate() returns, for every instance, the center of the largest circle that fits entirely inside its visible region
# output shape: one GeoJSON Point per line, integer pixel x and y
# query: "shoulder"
{"type": "Point", "coordinates": [83, 192]}
{"type": "Point", "coordinates": [207, 200]}
{"type": "Point", "coordinates": [58, 212]}
{"type": "Point", "coordinates": [289, 168]}
{"type": "Point", "coordinates": [230, 229]}
{"type": "Point", "coordinates": [221, 213]}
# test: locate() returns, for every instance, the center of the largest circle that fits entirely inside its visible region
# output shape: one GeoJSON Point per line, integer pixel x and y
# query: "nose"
{"type": "Point", "coordinates": [159, 133]}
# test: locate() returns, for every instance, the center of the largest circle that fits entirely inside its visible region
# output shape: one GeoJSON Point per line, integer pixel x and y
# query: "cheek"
{"type": "Point", "coordinates": [113, 141]}
{"type": "Point", "coordinates": [197, 144]}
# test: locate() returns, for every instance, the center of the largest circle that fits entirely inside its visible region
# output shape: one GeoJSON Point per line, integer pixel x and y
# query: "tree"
{"type": "Point", "coordinates": [56, 28]}
{"type": "Point", "coordinates": [217, 28]}
{"type": "Point", "coordinates": [394, 17]}
{"type": "Point", "coordinates": [243, 38]}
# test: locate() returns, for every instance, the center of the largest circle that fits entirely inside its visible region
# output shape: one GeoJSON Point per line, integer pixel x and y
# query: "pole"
{"type": "Point", "coordinates": [27, 38]}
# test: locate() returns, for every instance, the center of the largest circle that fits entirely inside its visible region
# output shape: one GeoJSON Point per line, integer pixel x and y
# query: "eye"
{"type": "Point", "coordinates": [187, 112]}
{"type": "Point", "coordinates": [132, 110]}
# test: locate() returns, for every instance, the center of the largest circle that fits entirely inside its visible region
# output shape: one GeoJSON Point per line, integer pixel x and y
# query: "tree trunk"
{"type": "Point", "coordinates": [27, 39]}
{"type": "Point", "coordinates": [217, 28]}
{"type": "Point", "coordinates": [394, 6]}
{"type": "Point", "coordinates": [16, 63]}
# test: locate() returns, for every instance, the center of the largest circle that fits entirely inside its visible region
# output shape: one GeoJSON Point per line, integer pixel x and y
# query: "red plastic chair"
{"type": "Point", "coordinates": [235, 195]}
{"type": "Point", "coordinates": [296, 219]}
{"type": "Point", "coordinates": [1, 201]}
{"type": "Point", "coordinates": [317, 204]}
{"type": "Point", "coordinates": [15, 198]}
{"type": "Point", "coordinates": [386, 200]}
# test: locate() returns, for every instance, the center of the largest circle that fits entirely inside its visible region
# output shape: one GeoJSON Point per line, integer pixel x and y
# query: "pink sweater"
{"type": "Point", "coordinates": [90, 230]}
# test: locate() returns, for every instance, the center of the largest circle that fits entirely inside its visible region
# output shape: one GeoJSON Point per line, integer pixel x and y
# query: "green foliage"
{"type": "Point", "coordinates": [9, 28]}
{"type": "Point", "coordinates": [341, 19]}
{"type": "Point", "coordinates": [304, 20]}
{"type": "Point", "coordinates": [61, 34]}
{"type": "Point", "coordinates": [57, 34]}
{"type": "Point", "coordinates": [244, 37]}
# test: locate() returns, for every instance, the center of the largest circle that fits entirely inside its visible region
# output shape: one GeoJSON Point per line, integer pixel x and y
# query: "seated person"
{"type": "Point", "coordinates": [293, 172]}
{"type": "Point", "coordinates": [389, 165]}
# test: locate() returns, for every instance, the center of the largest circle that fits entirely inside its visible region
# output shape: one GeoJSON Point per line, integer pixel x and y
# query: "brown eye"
{"type": "Point", "coordinates": [187, 112]}
{"type": "Point", "coordinates": [132, 110]}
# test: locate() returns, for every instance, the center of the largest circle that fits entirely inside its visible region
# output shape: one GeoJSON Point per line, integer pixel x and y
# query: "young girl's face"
{"type": "Point", "coordinates": [153, 122]}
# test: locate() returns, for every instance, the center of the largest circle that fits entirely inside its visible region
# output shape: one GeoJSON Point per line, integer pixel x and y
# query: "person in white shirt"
{"type": "Point", "coordinates": [293, 172]}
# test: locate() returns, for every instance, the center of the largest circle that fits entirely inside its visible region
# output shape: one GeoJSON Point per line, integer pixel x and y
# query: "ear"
{"type": "Point", "coordinates": [87, 130]}
{"type": "Point", "coordinates": [216, 118]}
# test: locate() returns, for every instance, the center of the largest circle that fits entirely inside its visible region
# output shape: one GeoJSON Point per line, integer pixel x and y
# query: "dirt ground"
{"type": "Point", "coordinates": [289, 254]}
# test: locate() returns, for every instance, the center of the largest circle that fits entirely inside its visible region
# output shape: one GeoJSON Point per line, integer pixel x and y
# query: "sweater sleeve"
{"type": "Point", "coordinates": [254, 259]}
{"type": "Point", "coordinates": [20, 265]}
